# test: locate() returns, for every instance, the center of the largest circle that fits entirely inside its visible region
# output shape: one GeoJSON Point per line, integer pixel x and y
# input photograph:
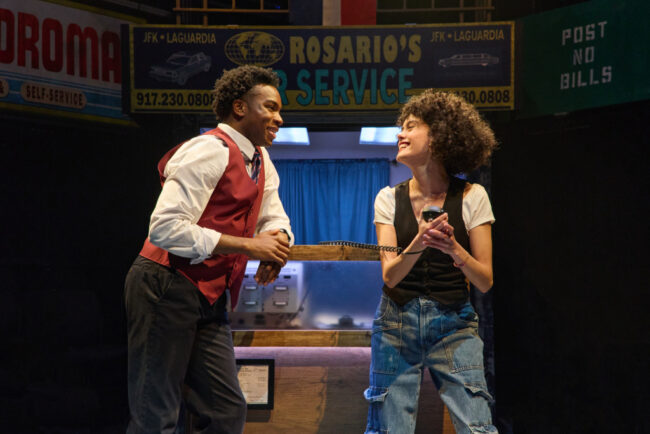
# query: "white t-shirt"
{"type": "Point", "coordinates": [476, 207]}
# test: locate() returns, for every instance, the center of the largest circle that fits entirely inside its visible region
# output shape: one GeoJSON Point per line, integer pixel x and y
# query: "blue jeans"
{"type": "Point", "coordinates": [424, 333]}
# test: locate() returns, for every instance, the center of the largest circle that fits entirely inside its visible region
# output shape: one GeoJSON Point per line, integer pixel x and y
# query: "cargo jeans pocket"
{"type": "Point", "coordinates": [375, 397]}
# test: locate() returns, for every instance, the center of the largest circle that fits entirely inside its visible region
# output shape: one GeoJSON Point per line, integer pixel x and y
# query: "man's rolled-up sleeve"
{"type": "Point", "coordinates": [191, 176]}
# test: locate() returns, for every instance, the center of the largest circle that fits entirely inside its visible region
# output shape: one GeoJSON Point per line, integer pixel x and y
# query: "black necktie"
{"type": "Point", "coordinates": [256, 162]}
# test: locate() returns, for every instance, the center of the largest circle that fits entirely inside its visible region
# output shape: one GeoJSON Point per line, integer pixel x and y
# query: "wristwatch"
{"type": "Point", "coordinates": [286, 233]}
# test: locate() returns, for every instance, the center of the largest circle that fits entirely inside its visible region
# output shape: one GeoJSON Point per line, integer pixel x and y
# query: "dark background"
{"type": "Point", "coordinates": [571, 290]}
{"type": "Point", "coordinates": [571, 285]}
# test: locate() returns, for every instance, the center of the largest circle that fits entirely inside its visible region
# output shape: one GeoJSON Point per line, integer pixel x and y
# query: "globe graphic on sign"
{"type": "Point", "coordinates": [254, 48]}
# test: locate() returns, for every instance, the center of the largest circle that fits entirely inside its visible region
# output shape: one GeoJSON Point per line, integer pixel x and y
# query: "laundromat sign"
{"type": "Point", "coordinates": [173, 69]}
{"type": "Point", "coordinates": [62, 59]}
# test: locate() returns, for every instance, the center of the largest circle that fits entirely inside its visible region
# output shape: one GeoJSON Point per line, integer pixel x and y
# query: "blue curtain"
{"type": "Point", "coordinates": [331, 199]}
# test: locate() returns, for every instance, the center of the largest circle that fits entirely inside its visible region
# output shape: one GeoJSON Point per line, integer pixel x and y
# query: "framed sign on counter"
{"type": "Point", "coordinates": [256, 379]}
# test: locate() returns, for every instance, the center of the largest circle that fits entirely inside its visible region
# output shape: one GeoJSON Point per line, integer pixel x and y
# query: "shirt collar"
{"type": "Point", "coordinates": [245, 146]}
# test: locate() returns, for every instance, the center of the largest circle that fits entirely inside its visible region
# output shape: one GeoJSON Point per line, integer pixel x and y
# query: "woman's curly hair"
{"type": "Point", "coordinates": [462, 140]}
{"type": "Point", "coordinates": [235, 83]}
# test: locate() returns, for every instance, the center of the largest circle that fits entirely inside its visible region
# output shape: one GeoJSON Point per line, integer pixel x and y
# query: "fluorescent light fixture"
{"type": "Point", "coordinates": [386, 136]}
{"type": "Point", "coordinates": [285, 136]}
{"type": "Point", "coordinates": [292, 136]}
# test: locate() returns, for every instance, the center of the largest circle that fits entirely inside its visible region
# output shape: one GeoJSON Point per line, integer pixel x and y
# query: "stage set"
{"type": "Point", "coordinates": [93, 96]}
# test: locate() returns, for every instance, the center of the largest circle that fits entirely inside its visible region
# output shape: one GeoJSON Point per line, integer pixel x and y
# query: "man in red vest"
{"type": "Point", "coordinates": [219, 206]}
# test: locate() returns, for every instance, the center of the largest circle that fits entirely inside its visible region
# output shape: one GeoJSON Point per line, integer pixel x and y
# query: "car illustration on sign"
{"type": "Point", "coordinates": [180, 66]}
{"type": "Point", "coordinates": [469, 59]}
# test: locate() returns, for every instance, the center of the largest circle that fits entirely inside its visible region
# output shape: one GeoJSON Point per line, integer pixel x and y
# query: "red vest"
{"type": "Point", "coordinates": [232, 209]}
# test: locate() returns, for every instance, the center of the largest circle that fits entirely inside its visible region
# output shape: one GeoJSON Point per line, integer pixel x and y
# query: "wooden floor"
{"type": "Point", "coordinates": [320, 390]}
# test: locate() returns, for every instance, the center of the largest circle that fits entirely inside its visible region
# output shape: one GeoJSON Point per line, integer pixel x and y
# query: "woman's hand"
{"type": "Point", "coordinates": [477, 268]}
{"type": "Point", "coordinates": [432, 231]}
{"type": "Point", "coordinates": [441, 237]}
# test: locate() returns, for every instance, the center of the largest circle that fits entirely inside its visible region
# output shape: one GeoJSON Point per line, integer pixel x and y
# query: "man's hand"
{"type": "Point", "coordinates": [267, 272]}
{"type": "Point", "coordinates": [270, 246]}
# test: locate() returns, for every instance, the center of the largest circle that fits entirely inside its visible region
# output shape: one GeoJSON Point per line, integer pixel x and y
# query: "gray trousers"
{"type": "Point", "coordinates": [179, 347]}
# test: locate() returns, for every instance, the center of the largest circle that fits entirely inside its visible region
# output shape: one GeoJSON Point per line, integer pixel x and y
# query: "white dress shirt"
{"type": "Point", "coordinates": [191, 177]}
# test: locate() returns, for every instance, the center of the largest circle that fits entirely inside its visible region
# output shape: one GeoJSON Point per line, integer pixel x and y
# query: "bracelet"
{"type": "Point", "coordinates": [462, 264]}
{"type": "Point", "coordinates": [413, 253]}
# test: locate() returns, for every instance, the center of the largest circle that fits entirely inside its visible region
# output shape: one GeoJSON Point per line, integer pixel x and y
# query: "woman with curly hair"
{"type": "Point", "coordinates": [218, 190]}
{"type": "Point", "coordinates": [424, 318]}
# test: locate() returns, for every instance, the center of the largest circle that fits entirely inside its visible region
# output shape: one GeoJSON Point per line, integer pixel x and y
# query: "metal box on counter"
{"type": "Point", "coordinates": [311, 295]}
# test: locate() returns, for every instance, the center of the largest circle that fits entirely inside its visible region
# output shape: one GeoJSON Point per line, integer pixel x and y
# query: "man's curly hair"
{"type": "Point", "coordinates": [235, 83]}
{"type": "Point", "coordinates": [462, 140]}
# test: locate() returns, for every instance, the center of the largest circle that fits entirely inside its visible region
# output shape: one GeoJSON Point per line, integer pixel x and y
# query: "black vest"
{"type": "Point", "coordinates": [433, 275]}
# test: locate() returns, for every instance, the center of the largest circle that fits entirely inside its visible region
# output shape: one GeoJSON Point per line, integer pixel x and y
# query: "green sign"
{"type": "Point", "coordinates": [589, 55]}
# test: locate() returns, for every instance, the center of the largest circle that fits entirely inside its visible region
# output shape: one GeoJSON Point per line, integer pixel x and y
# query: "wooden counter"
{"type": "Point", "coordinates": [331, 253]}
{"type": "Point", "coordinates": [301, 338]}
{"type": "Point", "coordinates": [319, 389]}
{"type": "Point", "coordinates": [320, 375]}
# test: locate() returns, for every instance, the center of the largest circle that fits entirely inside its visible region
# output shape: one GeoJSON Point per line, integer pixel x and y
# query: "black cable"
{"type": "Point", "coordinates": [360, 245]}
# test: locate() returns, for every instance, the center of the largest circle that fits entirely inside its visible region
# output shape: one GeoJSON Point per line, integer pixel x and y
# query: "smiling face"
{"type": "Point", "coordinates": [413, 141]}
{"type": "Point", "coordinates": [260, 114]}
